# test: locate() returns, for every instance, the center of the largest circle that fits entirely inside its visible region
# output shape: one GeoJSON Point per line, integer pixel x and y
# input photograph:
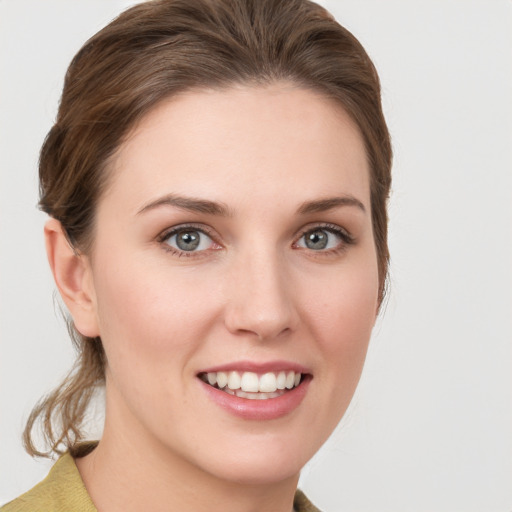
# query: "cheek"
{"type": "Point", "coordinates": [152, 316]}
{"type": "Point", "coordinates": [341, 315]}
{"type": "Point", "coordinates": [151, 325]}
{"type": "Point", "coordinates": [343, 309]}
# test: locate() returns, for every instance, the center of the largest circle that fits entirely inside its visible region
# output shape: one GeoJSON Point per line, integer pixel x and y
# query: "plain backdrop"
{"type": "Point", "coordinates": [430, 428]}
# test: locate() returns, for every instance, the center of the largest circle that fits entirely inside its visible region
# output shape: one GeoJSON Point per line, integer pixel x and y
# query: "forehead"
{"type": "Point", "coordinates": [271, 142]}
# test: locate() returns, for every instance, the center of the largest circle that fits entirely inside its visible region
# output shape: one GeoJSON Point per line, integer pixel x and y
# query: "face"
{"type": "Point", "coordinates": [234, 279]}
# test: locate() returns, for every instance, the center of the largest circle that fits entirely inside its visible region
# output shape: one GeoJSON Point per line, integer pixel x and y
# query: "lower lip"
{"type": "Point", "coordinates": [269, 409]}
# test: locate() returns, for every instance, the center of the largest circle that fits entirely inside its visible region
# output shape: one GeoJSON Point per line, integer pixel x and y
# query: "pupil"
{"type": "Point", "coordinates": [187, 240]}
{"type": "Point", "coordinates": [316, 240]}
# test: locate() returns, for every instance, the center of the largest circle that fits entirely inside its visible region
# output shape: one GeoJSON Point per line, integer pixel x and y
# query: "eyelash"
{"type": "Point", "coordinates": [346, 239]}
{"type": "Point", "coordinates": [164, 236]}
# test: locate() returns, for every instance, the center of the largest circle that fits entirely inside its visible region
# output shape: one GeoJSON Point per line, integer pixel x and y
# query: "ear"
{"type": "Point", "coordinates": [73, 276]}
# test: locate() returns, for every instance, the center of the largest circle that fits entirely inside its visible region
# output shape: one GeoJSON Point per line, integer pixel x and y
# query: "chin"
{"type": "Point", "coordinates": [259, 471]}
{"type": "Point", "coordinates": [263, 460]}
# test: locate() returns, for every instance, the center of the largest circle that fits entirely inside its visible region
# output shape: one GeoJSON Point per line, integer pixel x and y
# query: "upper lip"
{"type": "Point", "coordinates": [257, 367]}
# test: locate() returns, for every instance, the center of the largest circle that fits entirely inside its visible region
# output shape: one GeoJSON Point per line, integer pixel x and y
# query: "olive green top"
{"type": "Point", "coordinates": [64, 491]}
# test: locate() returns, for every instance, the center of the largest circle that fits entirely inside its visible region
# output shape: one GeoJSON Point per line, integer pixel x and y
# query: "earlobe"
{"type": "Point", "coordinates": [73, 276]}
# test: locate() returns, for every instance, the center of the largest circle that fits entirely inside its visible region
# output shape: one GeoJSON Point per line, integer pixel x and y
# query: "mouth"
{"type": "Point", "coordinates": [252, 385]}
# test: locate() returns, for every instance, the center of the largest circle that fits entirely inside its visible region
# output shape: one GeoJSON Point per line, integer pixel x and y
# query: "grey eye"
{"type": "Point", "coordinates": [317, 239]}
{"type": "Point", "coordinates": [189, 240]}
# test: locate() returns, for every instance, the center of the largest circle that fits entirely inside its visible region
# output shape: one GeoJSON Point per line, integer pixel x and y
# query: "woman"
{"type": "Point", "coordinates": [216, 182]}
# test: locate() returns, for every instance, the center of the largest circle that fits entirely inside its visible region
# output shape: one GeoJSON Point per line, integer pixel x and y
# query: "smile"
{"type": "Point", "coordinates": [251, 385]}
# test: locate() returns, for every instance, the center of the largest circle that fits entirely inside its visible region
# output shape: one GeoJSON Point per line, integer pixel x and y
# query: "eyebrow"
{"type": "Point", "coordinates": [208, 207]}
{"type": "Point", "coordinates": [190, 204]}
{"type": "Point", "coordinates": [322, 205]}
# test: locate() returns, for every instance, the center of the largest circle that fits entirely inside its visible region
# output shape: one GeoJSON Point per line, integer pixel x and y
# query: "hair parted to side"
{"type": "Point", "coordinates": [155, 50]}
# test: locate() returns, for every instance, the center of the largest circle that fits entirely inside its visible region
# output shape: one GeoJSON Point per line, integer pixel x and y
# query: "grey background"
{"type": "Point", "coordinates": [431, 425]}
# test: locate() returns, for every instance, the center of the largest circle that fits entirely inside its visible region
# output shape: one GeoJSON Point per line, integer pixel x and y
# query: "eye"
{"type": "Point", "coordinates": [324, 239]}
{"type": "Point", "coordinates": [187, 240]}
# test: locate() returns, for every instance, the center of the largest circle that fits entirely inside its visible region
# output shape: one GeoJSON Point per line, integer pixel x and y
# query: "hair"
{"type": "Point", "coordinates": [158, 49]}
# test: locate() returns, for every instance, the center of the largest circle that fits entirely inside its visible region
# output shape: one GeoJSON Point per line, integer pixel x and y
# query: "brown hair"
{"type": "Point", "coordinates": [155, 50]}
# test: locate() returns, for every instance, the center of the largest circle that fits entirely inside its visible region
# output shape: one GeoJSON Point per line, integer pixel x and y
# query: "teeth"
{"type": "Point", "coordinates": [253, 396]}
{"type": "Point", "coordinates": [222, 379]}
{"type": "Point", "coordinates": [268, 383]}
{"type": "Point", "coordinates": [234, 380]}
{"type": "Point", "coordinates": [290, 380]}
{"type": "Point", "coordinates": [250, 382]}
{"type": "Point", "coordinates": [281, 380]}
{"type": "Point", "coordinates": [253, 386]}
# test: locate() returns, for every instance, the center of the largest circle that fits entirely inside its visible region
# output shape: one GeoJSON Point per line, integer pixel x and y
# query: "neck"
{"type": "Point", "coordinates": [133, 474]}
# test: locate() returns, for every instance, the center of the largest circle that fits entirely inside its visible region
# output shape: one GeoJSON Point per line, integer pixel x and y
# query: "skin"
{"type": "Point", "coordinates": [253, 292]}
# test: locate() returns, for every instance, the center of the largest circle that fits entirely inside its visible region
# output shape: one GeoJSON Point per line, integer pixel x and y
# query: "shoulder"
{"type": "Point", "coordinates": [61, 491]}
{"type": "Point", "coordinates": [302, 504]}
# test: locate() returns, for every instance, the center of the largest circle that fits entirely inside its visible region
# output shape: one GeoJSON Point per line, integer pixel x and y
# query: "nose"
{"type": "Point", "coordinates": [260, 295]}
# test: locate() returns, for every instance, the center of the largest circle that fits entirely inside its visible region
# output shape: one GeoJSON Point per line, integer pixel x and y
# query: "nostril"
{"type": "Point", "coordinates": [262, 303]}
{"type": "Point", "coordinates": [261, 327]}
